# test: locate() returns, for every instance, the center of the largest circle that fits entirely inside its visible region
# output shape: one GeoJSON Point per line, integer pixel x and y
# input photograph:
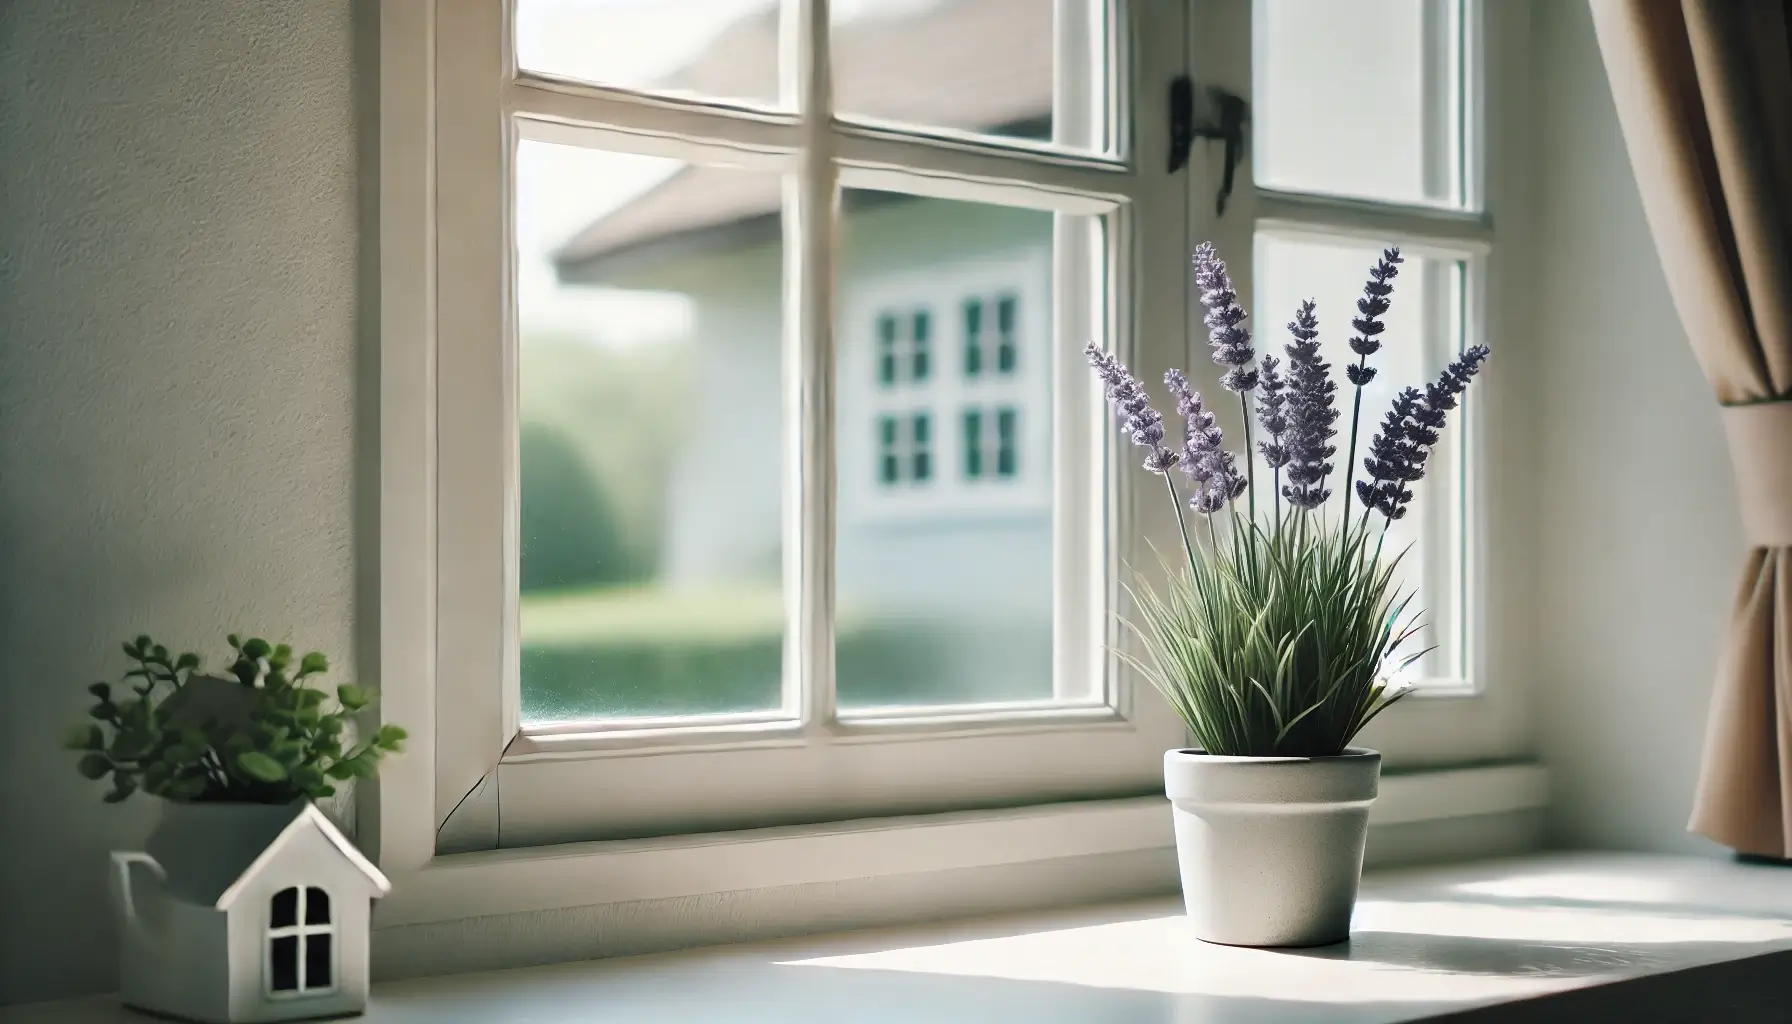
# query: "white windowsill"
{"type": "Point", "coordinates": [473, 885]}
{"type": "Point", "coordinates": [1589, 936]}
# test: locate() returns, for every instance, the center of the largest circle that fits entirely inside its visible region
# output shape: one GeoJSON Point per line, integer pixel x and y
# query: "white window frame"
{"type": "Point", "coordinates": [503, 785]}
{"type": "Point", "coordinates": [413, 659]}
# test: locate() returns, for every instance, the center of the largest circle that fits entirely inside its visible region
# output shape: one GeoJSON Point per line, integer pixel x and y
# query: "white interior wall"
{"type": "Point", "coordinates": [1639, 539]}
{"type": "Point", "coordinates": [178, 297]}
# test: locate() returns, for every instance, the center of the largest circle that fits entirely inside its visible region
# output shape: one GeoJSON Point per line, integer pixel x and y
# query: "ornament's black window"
{"type": "Point", "coordinates": [301, 943]}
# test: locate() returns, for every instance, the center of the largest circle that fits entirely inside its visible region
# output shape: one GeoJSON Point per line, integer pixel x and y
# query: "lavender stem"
{"type": "Point", "coordinates": [1181, 524]}
{"type": "Point", "coordinates": [1244, 410]}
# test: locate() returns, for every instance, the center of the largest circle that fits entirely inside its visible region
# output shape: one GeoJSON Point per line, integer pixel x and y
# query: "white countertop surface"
{"type": "Point", "coordinates": [1425, 942]}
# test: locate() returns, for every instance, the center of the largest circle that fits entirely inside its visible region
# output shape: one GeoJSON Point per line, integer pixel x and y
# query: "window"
{"type": "Point", "coordinates": [1370, 128]}
{"type": "Point", "coordinates": [1006, 442]}
{"type": "Point", "coordinates": [301, 944]}
{"type": "Point", "coordinates": [973, 443]}
{"type": "Point", "coordinates": [889, 459]}
{"type": "Point", "coordinates": [650, 561]}
{"type": "Point", "coordinates": [1007, 351]}
{"type": "Point", "coordinates": [921, 439]}
{"type": "Point", "coordinates": [973, 337]}
{"type": "Point", "coordinates": [695, 377]}
{"type": "Point", "coordinates": [921, 340]}
{"type": "Point", "coordinates": [886, 350]}
{"type": "Point", "coordinates": [1000, 451]}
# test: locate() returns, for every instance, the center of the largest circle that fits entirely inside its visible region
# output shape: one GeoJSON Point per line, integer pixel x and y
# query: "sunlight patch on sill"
{"type": "Point", "coordinates": [1405, 951]}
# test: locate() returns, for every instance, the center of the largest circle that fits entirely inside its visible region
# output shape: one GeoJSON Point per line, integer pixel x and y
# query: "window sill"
{"type": "Point", "coordinates": [1579, 936]}
{"type": "Point", "coordinates": [548, 878]}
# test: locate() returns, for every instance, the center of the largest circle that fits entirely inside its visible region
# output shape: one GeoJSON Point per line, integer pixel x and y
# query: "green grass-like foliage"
{"type": "Point", "coordinates": [1273, 640]}
{"type": "Point", "coordinates": [260, 733]}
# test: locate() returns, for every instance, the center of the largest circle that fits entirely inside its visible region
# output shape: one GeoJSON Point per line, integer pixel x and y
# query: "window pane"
{"type": "Point", "coordinates": [985, 66]}
{"type": "Point", "coordinates": [317, 906]}
{"type": "Point", "coordinates": [1424, 331]}
{"type": "Point", "coordinates": [1360, 98]}
{"type": "Point", "coordinates": [714, 49]}
{"type": "Point", "coordinates": [317, 961]}
{"type": "Point", "coordinates": [648, 295]}
{"type": "Point", "coordinates": [945, 578]}
{"type": "Point", "coordinates": [283, 959]}
{"type": "Point", "coordinates": [285, 910]}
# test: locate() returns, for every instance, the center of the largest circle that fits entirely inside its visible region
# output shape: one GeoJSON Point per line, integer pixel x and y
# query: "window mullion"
{"type": "Point", "coordinates": [810, 236]}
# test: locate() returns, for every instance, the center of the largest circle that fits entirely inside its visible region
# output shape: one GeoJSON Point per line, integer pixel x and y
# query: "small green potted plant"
{"type": "Point", "coordinates": [1282, 629]}
{"type": "Point", "coordinates": [246, 902]}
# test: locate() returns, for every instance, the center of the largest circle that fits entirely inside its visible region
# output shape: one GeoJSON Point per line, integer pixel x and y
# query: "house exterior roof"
{"type": "Point", "coordinates": [210, 853]}
{"type": "Point", "coordinates": [968, 65]}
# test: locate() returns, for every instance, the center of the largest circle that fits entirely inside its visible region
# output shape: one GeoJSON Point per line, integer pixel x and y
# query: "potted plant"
{"type": "Point", "coordinates": [1280, 630]}
{"type": "Point", "coordinates": [246, 902]}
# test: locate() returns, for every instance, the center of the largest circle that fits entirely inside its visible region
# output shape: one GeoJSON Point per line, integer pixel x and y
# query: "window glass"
{"type": "Point", "coordinates": [921, 446]}
{"type": "Point", "coordinates": [973, 337]}
{"type": "Point", "coordinates": [1007, 347]}
{"type": "Point", "coordinates": [710, 49]}
{"type": "Point", "coordinates": [921, 340]}
{"type": "Point", "coordinates": [1008, 442]}
{"type": "Point", "coordinates": [318, 962]}
{"type": "Point", "coordinates": [317, 906]}
{"type": "Point", "coordinates": [649, 346]}
{"type": "Point", "coordinates": [1029, 69]}
{"type": "Point", "coordinates": [283, 964]}
{"type": "Point", "coordinates": [284, 912]}
{"type": "Point", "coordinates": [1360, 98]}
{"type": "Point", "coordinates": [973, 443]}
{"type": "Point", "coordinates": [944, 582]}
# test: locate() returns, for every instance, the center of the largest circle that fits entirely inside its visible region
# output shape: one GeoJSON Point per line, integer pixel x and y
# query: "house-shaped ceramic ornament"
{"type": "Point", "coordinates": [245, 912]}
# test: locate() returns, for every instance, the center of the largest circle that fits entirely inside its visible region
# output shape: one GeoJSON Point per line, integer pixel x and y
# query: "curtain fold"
{"type": "Point", "coordinates": [1704, 96]}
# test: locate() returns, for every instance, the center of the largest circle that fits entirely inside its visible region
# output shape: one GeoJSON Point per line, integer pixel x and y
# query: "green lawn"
{"type": "Point", "coordinates": [634, 650]}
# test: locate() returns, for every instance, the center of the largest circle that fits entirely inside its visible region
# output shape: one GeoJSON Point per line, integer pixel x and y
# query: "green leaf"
{"type": "Point", "coordinates": [391, 737]}
{"type": "Point", "coordinates": [260, 767]}
{"type": "Point", "coordinates": [122, 788]}
{"type": "Point", "coordinates": [94, 766]}
{"type": "Point", "coordinates": [100, 690]}
{"type": "Point", "coordinates": [188, 660]}
{"type": "Point", "coordinates": [314, 663]}
{"type": "Point", "coordinates": [84, 737]}
{"type": "Point", "coordinates": [352, 697]}
{"type": "Point", "coordinates": [256, 647]}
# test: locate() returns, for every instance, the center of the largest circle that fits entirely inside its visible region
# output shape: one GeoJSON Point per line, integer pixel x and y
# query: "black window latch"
{"type": "Point", "coordinates": [1225, 124]}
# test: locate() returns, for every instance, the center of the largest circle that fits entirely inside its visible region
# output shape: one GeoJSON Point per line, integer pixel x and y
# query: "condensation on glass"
{"type": "Point", "coordinates": [1425, 330]}
{"type": "Point", "coordinates": [649, 345]}
{"type": "Point", "coordinates": [704, 49]}
{"type": "Point", "coordinates": [1360, 98]}
{"type": "Point", "coordinates": [944, 472]}
{"type": "Point", "coordinates": [1021, 69]}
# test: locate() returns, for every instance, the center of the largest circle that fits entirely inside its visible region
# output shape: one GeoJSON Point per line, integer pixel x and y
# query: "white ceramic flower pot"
{"type": "Point", "coordinates": [1271, 848]}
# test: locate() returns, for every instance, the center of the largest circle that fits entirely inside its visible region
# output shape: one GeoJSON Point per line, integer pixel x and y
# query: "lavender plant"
{"type": "Point", "coordinates": [1279, 637]}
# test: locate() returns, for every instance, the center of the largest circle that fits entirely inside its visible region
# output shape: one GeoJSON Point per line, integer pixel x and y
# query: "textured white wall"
{"type": "Point", "coordinates": [178, 293]}
{"type": "Point", "coordinates": [1639, 536]}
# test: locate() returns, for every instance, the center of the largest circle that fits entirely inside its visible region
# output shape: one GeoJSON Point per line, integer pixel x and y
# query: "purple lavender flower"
{"type": "Point", "coordinates": [1312, 415]}
{"type": "Point", "coordinates": [1225, 318]}
{"type": "Point", "coordinates": [1272, 395]}
{"type": "Point", "coordinates": [1369, 309]}
{"type": "Point", "coordinates": [1204, 457]}
{"type": "Point", "coordinates": [1398, 453]}
{"type": "Point", "coordinates": [1133, 405]}
{"type": "Point", "coordinates": [1395, 459]}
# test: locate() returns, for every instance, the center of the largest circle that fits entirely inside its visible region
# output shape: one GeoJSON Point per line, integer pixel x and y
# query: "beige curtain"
{"type": "Point", "coordinates": [1704, 95]}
